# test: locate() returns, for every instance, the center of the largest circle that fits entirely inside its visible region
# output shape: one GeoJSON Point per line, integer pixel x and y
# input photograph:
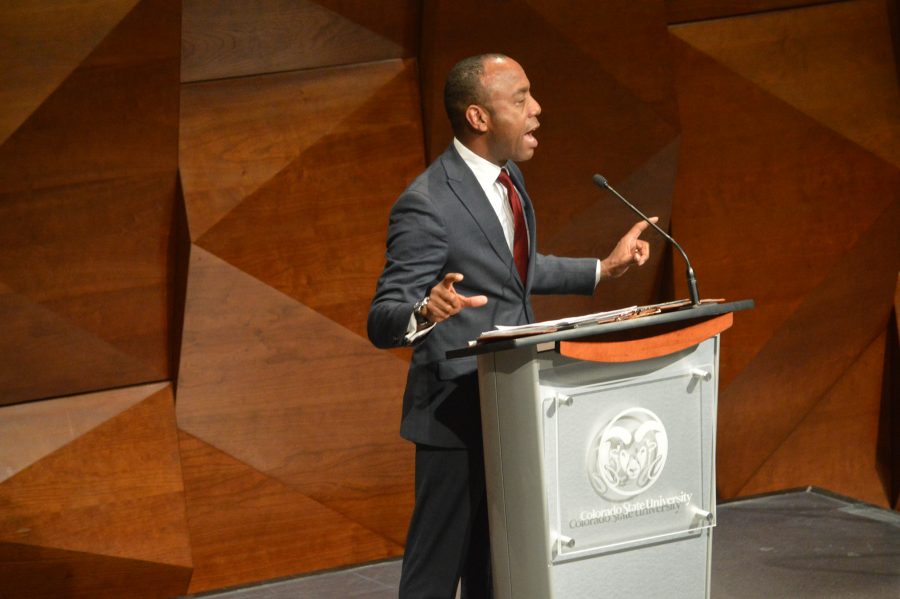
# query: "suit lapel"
{"type": "Point", "coordinates": [466, 188]}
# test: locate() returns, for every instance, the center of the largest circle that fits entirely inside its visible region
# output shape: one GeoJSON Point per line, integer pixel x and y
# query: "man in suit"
{"type": "Point", "coordinates": [462, 258]}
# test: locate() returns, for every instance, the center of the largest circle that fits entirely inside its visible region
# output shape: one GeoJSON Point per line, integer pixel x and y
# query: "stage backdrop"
{"type": "Point", "coordinates": [193, 206]}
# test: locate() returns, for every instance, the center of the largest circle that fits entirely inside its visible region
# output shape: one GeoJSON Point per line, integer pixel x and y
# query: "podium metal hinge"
{"type": "Point", "coordinates": [702, 518]}
{"type": "Point", "coordinates": [701, 374]}
{"type": "Point", "coordinates": [565, 541]}
{"type": "Point", "coordinates": [563, 400]}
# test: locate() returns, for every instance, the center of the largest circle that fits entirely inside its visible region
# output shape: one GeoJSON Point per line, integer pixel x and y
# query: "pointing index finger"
{"type": "Point", "coordinates": [641, 226]}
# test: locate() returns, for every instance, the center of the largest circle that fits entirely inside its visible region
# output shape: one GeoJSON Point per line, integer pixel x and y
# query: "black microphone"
{"type": "Point", "coordinates": [601, 181]}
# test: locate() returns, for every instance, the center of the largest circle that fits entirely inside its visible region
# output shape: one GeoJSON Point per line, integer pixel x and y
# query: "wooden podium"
{"type": "Point", "coordinates": [600, 456]}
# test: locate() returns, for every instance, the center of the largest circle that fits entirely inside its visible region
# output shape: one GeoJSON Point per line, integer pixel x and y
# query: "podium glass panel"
{"type": "Point", "coordinates": [625, 461]}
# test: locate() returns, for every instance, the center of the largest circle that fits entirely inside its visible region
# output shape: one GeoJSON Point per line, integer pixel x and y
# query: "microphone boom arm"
{"type": "Point", "coordinates": [601, 181]}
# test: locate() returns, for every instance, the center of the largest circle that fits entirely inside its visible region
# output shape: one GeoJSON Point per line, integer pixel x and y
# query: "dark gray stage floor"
{"type": "Point", "coordinates": [801, 544]}
{"type": "Point", "coordinates": [805, 544]}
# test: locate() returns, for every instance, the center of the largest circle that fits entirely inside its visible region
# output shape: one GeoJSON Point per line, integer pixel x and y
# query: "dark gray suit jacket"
{"type": "Point", "coordinates": [443, 223]}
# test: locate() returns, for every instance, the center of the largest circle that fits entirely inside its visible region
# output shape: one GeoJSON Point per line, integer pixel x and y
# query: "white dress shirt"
{"type": "Point", "coordinates": [486, 173]}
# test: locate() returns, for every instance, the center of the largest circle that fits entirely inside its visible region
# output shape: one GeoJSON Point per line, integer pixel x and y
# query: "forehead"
{"type": "Point", "coordinates": [504, 76]}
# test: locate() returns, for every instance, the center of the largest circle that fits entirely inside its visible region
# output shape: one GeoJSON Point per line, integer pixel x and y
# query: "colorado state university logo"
{"type": "Point", "coordinates": [628, 455]}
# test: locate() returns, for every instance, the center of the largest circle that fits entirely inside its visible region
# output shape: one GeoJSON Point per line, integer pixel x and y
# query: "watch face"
{"type": "Point", "coordinates": [419, 310]}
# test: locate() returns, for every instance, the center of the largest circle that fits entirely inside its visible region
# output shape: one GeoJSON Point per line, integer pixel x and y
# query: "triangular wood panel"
{"type": "Point", "coordinates": [247, 526]}
{"type": "Point", "coordinates": [234, 38]}
{"type": "Point", "coordinates": [116, 115]}
{"type": "Point", "coordinates": [278, 386]}
{"type": "Point", "coordinates": [117, 490]}
{"type": "Point", "coordinates": [28, 572]}
{"type": "Point", "coordinates": [60, 421]}
{"type": "Point", "coordinates": [807, 354]}
{"type": "Point", "coordinates": [87, 186]}
{"type": "Point", "coordinates": [635, 53]}
{"type": "Point", "coordinates": [237, 135]}
{"type": "Point", "coordinates": [750, 163]}
{"type": "Point", "coordinates": [31, 65]}
{"type": "Point", "coordinates": [315, 231]}
{"type": "Point", "coordinates": [834, 445]}
{"type": "Point", "coordinates": [831, 62]}
{"type": "Point", "coordinates": [56, 360]}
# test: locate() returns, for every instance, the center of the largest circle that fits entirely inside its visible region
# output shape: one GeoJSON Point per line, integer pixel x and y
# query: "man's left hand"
{"type": "Point", "coordinates": [631, 250]}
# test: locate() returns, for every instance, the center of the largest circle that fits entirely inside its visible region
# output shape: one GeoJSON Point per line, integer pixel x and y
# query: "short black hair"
{"type": "Point", "coordinates": [465, 87]}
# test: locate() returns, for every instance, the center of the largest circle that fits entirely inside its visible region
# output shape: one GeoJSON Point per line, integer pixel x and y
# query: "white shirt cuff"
{"type": "Point", "coordinates": [413, 332]}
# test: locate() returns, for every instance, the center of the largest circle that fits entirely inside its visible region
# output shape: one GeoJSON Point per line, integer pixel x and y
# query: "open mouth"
{"type": "Point", "coordinates": [530, 138]}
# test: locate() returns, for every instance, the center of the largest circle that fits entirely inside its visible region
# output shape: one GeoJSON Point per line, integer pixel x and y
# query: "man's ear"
{"type": "Point", "coordinates": [477, 117]}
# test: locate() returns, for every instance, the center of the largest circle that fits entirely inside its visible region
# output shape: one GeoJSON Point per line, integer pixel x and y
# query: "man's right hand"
{"type": "Point", "coordinates": [444, 301]}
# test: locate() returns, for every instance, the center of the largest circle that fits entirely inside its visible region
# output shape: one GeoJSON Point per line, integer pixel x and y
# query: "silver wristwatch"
{"type": "Point", "coordinates": [419, 311]}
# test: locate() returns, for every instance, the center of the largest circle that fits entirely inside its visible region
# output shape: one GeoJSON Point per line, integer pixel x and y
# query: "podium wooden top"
{"type": "Point", "coordinates": [662, 343]}
{"type": "Point", "coordinates": [625, 340]}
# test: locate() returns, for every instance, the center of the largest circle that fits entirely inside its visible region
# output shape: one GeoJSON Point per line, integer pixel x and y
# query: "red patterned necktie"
{"type": "Point", "coordinates": [520, 239]}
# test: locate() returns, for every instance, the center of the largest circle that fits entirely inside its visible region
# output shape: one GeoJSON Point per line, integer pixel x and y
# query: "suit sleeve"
{"type": "Point", "coordinates": [414, 261]}
{"type": "Point", "coordinates": [556, 275]}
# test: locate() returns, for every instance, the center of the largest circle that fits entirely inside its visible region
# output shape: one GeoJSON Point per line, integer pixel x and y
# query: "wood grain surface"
{"type": "Point", "coordinates": [236, 38]}
{"type": "Point", "coordinates": [87, 188]}
{"type": "Point", "coordinates": [653, 345]}
{"type": "Point", "coordinates": [782, 199]}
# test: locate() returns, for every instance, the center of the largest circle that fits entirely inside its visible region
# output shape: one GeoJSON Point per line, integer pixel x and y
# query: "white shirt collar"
{"type": "Point", "coordinates": [485, 171]}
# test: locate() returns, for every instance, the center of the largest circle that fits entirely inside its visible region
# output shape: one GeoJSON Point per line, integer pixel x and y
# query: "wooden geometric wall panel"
{"type": "Point", "coordinates": [115, 491]}
{"type": "Point", "coordinates": [276, 385]}
{"type": "Point", "coordinates": [114, 116]}
{"type": "Point", "coordinates": [608, 107]}
{"type": "Point", "coordinates": [40, 47]}
{"type": "Point", "coordinates": [807, 355]}
{"type": "Point", "coordinates": [233, 38]}
{"type": "Point", "coordinates": [751, 163]}
{"type": "Point", "coordinates": [87, 186]}
{"type": "Point", "coordinates": [836, 66]}
{"type": "Point", "coordinates": [680, 11]}
{"type": "Point", "coordinates": [288, 181]}
{"type": "Point", "coordinates": [60, 421]}
{"type": "Point", "coordinates": [28, 572]}
{"type": "Point", "coordinates": [314, 159]}
{"type": "Point", "coordinates": [237, 135]}
{"type": "Point", "coordinates": [247, 526]}
{"type": "Point", "coordinates": [834, 445]}
{"type": "Point", "coordinates": [295, 231]}
{"type": "Point", "coordinates": [633, 53]}
{"type": "Point", "coordinates": [791, 209]}
{"type": "Point", "coordinates": [45, 354]}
